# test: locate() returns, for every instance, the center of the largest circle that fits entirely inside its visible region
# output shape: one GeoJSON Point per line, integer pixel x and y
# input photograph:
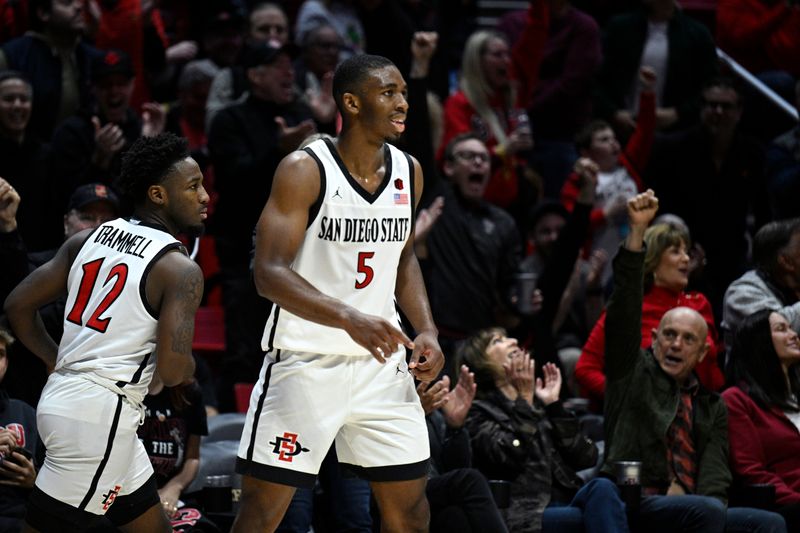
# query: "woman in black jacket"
{"type": "Point", "coordinates": [521, 432]}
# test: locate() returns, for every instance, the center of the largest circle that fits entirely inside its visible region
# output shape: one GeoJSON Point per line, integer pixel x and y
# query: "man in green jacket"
{"type": "Point", "coordinates": [656, 411]}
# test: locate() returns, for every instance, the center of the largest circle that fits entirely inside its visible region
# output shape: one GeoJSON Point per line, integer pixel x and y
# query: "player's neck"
{"type": "Point", "coordinates": [156, 220]}
{"type": "Point", "coordinates": [363, 157]}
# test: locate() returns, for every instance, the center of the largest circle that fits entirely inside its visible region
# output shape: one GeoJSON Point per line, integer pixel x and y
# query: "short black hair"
{"type": "Point", "coordinates": [147, 162]}
{"type": "Point", "coordinates": [352, 72]}
{"type": "Point", "coordinates": [770, 240]}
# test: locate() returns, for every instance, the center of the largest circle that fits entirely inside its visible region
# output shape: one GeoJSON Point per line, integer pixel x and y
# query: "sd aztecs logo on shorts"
{"type": "Point", "coordinates": [287, 447]}
{"type": "Point", "coordinates": [108, 499]}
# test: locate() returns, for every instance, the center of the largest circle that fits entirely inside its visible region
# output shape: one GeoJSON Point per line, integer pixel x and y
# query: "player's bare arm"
{"type": "Point", "coordinates": [426, 359]}
{"type": "Point", "coordinates": [175, 288]}
{"type": "Point", "coordinates": [42, 286]}
{"type": "Point", "coordinates": [279, 234]}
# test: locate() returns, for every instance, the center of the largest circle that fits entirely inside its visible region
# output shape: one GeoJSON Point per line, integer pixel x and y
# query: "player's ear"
{"type": "Point", "coordinates": [157, 194]}
{"type": "Point", "coordinates": [351, 103]}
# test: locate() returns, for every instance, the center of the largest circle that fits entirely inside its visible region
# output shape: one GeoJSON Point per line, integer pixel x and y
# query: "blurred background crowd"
{"type": "Point", "coordinates": [534, 122]}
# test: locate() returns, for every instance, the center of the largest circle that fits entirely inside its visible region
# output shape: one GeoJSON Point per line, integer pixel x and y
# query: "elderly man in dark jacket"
{"type": "Point", "coordinates": [659, 414]}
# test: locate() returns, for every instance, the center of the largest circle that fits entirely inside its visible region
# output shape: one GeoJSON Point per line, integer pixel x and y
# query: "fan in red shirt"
{"type": "Point", "coordinates": [666, 276]}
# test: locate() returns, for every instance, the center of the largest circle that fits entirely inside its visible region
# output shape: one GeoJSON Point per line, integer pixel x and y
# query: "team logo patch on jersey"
{"type": "Point", "coordinates": [108, 499]}
{"type": "Point", "coordinates": [398, 184]}
{"type": "Point", "coordinates": [287, 447]}
{"type": "Point", "coordinates": [400, 198]}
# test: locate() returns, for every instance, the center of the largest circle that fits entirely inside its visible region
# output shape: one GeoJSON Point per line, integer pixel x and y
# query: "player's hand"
{"type": "Point", "coordinates": [290, 137]}
{"type": "Point", "coordinates": [375, 334]}
{"type": "Point", "coordinates": [17, 471]}
{"type": "Point", "coordinates": [460, 399]}
{"type": "Point", "coordinates": [427, 359]}
{"type": "Point", "coordinates": [169, 496]}
{"type": "Point", "coordinates": [432, 396]}
{"type": "Point", "coordinates": [642, 209]}
{"type": "Point", "coordinates": [9, 203]}
{"type": "Point", "coordinates": [549, 389]}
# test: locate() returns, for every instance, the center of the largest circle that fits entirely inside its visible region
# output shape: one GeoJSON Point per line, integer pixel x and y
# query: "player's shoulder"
{"type": "Point", "coordinates": [175, 267]}
{"type": "Point", "coordinates": [299, 161]}
{"type": "Point", "coordinates": [297, 178]}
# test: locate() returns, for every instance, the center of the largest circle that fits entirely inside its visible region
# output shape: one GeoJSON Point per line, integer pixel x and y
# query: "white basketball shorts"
{"type": "Point", "coordinates": [93, 454]}
{"type": "Point", "coordinates": [304, 402]}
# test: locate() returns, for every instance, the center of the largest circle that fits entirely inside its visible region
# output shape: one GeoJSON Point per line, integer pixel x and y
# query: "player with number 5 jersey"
{"type": "Point", "coordinates": [132, 292]}
{"type": "Point", "coordinates": [350, 250]}
{"type": "Point", "coordinates": [335, 254]}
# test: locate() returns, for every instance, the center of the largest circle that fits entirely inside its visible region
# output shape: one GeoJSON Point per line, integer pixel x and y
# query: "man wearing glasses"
{"type": "Point", "coordinates": [472, 252]}
{"type": "Point", "coordinates": [712, 176]}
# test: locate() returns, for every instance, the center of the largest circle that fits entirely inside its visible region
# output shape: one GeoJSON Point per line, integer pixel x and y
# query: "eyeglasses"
{"type": "Point", "coordinates": [724, 106]}
{"type": "Point", "coordinates": [467, 155]}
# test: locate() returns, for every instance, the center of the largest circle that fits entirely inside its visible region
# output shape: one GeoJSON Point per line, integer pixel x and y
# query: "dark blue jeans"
{"type": "Point", "coordinates": [596, 508]}
{"type": "Point", "coordinates": [703, 514]}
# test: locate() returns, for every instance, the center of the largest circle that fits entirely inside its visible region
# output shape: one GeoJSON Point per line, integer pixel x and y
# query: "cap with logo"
{"type": "Point", "coordinates": [90, 193]}
{"type": "Point", "coordinates": [110, 63]}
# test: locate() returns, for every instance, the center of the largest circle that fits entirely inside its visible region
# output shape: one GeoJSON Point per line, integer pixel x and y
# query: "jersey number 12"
{"type": "Point", "coordinates": [86, 288]}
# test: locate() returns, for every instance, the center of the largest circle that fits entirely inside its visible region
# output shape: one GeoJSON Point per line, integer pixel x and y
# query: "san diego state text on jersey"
{"type": "Point", "coordinates": [392, 229]}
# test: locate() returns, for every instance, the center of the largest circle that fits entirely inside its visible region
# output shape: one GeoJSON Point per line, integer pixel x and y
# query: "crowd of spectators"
{"type": "Point", "coordinates": [537, 137]}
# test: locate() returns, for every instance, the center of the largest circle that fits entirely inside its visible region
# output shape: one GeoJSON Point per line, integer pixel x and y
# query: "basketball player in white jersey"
{"type": "Point", "coordinates": [334, 252]}
{"type": "Point", "coordinates": [132, 293]}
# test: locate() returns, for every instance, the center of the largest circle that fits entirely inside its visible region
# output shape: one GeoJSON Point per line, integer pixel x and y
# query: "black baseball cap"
{"type": "Point", "coordinates": [112, 62]}
{"type": "Point", "coordinates": [90, 193]}
{"type": "Point", "coordinates": [266, 53]}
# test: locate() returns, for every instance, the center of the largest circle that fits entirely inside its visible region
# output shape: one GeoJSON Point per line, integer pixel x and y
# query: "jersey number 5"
{"type": "Point", "coordinates": [88, 281]}
{"type": "Point", "coordinates": [364, 268]}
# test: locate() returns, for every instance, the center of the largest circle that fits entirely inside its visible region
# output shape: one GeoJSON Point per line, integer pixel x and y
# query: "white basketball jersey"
{"type": "Point", "coordinates": [350, 251]}
{"type": "Point", "coordinates": [109, 328]}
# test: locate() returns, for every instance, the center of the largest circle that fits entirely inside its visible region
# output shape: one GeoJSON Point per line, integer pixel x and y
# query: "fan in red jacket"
{"type": "Point", "coordinates": [763, 412]}
{"type": "Point", "coordinates": [666, 276]}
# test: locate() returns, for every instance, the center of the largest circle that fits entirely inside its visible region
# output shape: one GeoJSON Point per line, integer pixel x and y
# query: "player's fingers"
{"type": "Point", "coordinates": [376, 353]}
{"type": "Point", "coordinates": [399, 337]}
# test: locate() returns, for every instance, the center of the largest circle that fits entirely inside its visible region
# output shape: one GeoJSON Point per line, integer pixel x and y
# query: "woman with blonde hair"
{"type": "Point", "coordinates": [486, 105]}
